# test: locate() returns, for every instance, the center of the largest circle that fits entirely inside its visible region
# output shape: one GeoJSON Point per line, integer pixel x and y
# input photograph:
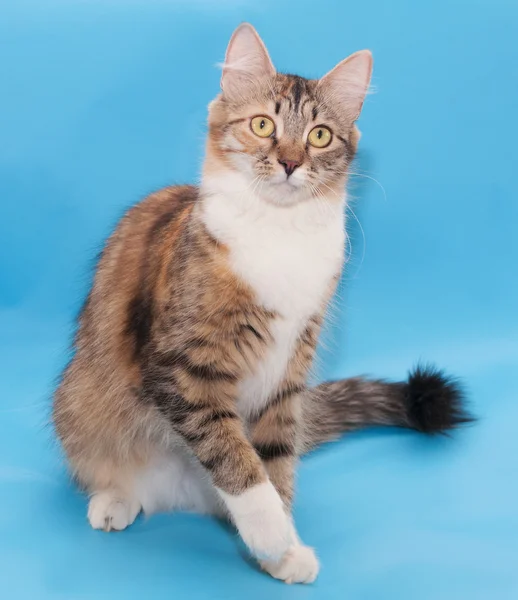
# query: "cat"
{"type": "Point", "coordinates": [188, 386]}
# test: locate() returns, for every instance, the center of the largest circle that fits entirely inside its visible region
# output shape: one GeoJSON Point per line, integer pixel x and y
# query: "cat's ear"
{"type": "Point", "coordinates": [348, 82]}
{"type": "Point", "coordinates": [246, 62]}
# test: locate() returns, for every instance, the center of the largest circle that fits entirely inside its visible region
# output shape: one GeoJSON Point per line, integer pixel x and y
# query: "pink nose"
{"type": "Point", "coordinates": [289, 165]}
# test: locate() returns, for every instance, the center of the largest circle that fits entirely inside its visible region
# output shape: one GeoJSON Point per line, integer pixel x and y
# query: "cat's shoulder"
{"type": "Point", "coordinates": [169, 200]}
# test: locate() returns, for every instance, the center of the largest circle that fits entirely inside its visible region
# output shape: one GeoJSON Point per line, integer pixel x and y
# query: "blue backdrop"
{"type": "Point", "coordinates": [104, 101]}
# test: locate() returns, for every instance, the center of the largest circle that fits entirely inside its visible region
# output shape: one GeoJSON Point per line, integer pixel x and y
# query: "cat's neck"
{"type": "Point", "coordinates": [288, 255]}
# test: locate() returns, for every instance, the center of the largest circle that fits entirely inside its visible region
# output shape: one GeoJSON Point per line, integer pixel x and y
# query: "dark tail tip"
{"type": "Point", "coordinates": [435, 402]}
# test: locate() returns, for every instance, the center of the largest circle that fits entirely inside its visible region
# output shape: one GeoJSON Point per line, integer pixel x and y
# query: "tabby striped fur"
{"type": "Point", "coordinates": [187, 389]}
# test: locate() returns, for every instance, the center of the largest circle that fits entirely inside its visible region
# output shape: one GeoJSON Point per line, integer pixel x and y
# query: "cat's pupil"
{"type": "Point", "coordinates": [319, 133]}
{"type": "Point", "coordinates": [262, 124]}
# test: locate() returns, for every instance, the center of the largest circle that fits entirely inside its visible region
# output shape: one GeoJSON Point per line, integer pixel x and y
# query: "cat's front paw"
{"type": "Point", "coordinates": [267, 533]}
{"type": "Point", "coordinates": [262, 521]}
{"type": "Point", "coordinates": [298, 565]}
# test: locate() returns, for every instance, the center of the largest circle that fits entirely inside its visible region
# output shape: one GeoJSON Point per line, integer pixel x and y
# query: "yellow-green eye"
{"type": "Point", "coordinates": [320, 137]}
{"type": "Point", "coordinates": [262, 126]}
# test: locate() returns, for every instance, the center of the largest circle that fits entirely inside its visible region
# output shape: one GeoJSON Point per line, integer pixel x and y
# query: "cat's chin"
{"type": "Point", "coordinates": [285, 193]}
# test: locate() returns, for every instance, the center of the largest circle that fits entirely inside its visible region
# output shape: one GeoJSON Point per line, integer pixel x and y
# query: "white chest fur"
{"type": "Point", "coordinates": [288, 256]}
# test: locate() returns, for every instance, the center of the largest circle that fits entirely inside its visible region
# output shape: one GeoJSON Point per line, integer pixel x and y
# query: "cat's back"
{"type": "Point", "coordinates": [142, 242]}
{"type": "Point", "coordinates": [140, 228]}
{"type": "Point", "coordinates": [95, 394]}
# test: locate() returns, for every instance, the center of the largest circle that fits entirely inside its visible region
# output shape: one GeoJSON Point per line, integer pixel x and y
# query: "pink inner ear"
{"type": "Point", "coordinates": [349, 81]}
{"type": "Point", "coordinates": [246, 61]}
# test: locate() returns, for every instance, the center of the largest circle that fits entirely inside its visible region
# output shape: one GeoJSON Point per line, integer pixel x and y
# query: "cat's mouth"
{"type": "Point", "coordinates": [289, 183]}
{"type": "Point", "coordinates": [285, 193]}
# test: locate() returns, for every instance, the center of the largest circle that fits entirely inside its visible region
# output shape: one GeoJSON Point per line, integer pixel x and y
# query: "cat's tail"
{"type": "Point", "coordinates": [429, 401]}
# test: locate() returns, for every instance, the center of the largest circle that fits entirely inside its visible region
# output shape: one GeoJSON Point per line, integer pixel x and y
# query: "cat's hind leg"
{"type": "Point", "coordinates": [169, 480]}
{"type": "Point", "coordinates": [114, 502]}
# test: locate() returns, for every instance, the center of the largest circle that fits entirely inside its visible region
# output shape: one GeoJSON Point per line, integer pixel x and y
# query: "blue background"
{"type": "Point", "coordinates": [104, 101]}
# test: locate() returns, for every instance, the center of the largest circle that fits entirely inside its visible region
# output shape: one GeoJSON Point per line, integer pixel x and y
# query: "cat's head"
{"type": "Point", "coordinates": [287, 137]}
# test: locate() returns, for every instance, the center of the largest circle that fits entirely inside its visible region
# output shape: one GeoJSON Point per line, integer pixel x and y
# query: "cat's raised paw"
{"type": "Point", "coordinates": [298, 565]}
{"type": "Point", "coordinates": [108, 511]}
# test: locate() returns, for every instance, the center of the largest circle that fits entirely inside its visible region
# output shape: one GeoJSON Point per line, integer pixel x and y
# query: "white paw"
{"type": "Point", "coordinates": [108, 511]}
{"type": "Point", "coordinates": [267, 533]}
{"type": "Point", "coordinates": [262, 522]}
{"type": "Point", "coordinates": [298, 565]}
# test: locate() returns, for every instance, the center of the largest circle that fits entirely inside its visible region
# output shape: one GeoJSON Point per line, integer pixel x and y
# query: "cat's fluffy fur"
{"type": "Point", "coordinates": [188, 385]}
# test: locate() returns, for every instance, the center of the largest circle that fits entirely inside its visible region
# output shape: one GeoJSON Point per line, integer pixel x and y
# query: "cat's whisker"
{"type": "Point", "coordinates": [259, 180]}
{"type": "Point", "coordinates": [348, 207]}
{"type": "Point", "coordinates": [348, 248]}
{"type": "Point", "coordinates": [354, 174]}
{"type": "Point", "coordinates": [321, 203]}
{"type": "Point", "coordinates": [321, 198]}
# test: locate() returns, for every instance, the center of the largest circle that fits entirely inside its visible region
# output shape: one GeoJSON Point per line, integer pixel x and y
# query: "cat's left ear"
{"type": "Point", "coordinates": [246, 62]}
{"type": "Point", "coordinates": [348, 82]}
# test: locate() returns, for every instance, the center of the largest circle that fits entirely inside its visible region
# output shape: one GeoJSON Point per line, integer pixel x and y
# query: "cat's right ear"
{"type": "Point", "coordinates": [246, 62]}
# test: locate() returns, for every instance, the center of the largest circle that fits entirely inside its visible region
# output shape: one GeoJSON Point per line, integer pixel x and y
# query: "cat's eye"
{"type": "Point", "coordinates": [320, 137]}
{"type": "Point", "coordinates": [262, 126]}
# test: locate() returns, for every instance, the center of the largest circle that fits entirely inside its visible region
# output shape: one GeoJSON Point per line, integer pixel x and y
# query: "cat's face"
{"type": "Point", "coordinates": [290, 138]}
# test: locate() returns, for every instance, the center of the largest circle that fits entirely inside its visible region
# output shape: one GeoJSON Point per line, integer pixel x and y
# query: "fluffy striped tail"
{"type": "Point", "coordinates": [429, 401]}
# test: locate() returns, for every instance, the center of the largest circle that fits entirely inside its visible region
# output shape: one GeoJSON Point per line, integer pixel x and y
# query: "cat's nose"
{"type": "Point", "coordinates": [289, 165]}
